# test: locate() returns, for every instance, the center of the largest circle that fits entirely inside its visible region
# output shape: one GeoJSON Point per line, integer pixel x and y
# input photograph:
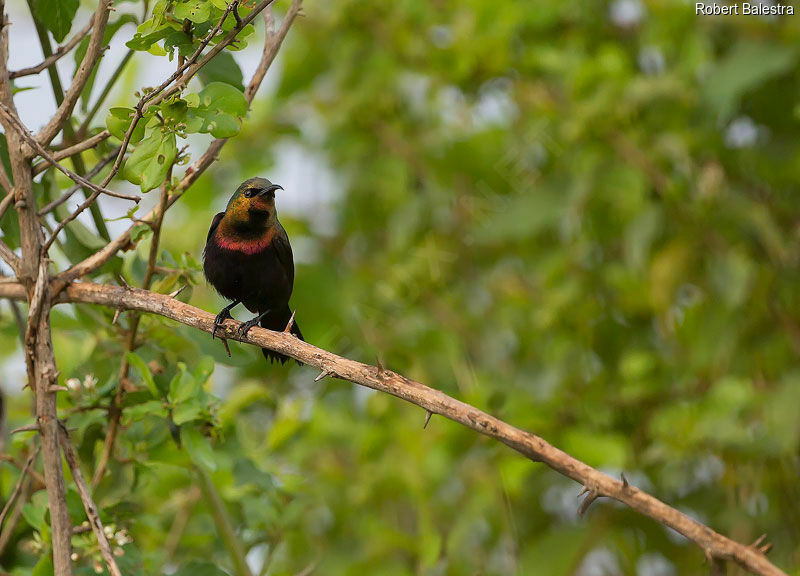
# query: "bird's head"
{"type": "Point", "coordinates": [253, 203]}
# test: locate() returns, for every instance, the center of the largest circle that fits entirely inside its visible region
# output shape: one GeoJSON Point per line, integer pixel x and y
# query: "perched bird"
{"type": "Point", "coordinates": [248, 260]}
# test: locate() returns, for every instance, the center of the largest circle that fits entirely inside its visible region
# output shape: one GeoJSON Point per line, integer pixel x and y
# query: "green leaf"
{"type": "Point", "coordinates": [149, 408]}
{"type": "Point", "coordinates": [136, 361]}
{"type": "Point", "coordinates": [56, 15]}
{"type": "Point", "coordinates": [44, 567]}
{"type": "Point", "coordinates": [198, 447]}
{"type": "Point", "coordinates": [149, 163]}
{"type": "Point", "coordinates": [748, 66]}
{"type": "Point", "coordinates": [222, 68]}
{"type": "Point", "coordinates": [119, 120]}
{"type": "Point", "coordinates": [183, 387]}
{"type": "Point", "coordinates": [217, 109]}
{"type": "Point", "coordinates": [198, 11]}
{"type": "Point", "coordinates": [139, 231]}
{"type": "Point", "coordinates": [203, 369]}
{"type": "Point", "coordinates": [186, 411]}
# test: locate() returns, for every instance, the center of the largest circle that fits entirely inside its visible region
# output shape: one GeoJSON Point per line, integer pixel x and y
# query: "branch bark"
{"type": "Point", "coordinates": [39, 357]}
{"type": "Point", "coordinates": [88, 504]}
{"type": "Point", "coordinates": [713, 544]}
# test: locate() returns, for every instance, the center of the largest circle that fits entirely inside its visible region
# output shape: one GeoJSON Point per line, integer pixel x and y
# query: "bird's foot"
{"type": "Point", "coordinates": [221, 317]}
{"type": "Point", "coordinates": [244, 327]}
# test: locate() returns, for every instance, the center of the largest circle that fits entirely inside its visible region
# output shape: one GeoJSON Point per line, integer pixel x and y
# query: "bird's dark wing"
{"type": "Point", "coordinates": [283, 250]}
{"type": "Point", "coordinates": [214, 224]}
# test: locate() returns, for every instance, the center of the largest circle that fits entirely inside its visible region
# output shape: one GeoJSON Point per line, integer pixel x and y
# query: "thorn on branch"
{"type": "Point", "coordinates": [323, 374]}
{"type": "Point", "coordinates": [289, 324]}
{"type": "Point", "coordinates": [122, 282]}
{"type": "Point", "coordinates": [624, 480]}
{"type": "Point", "coordinates": [428, 415]}
{"type": "Point", "coordinates": [379, 362]}
{"type": "Point", "coordinates": [175, 293]}
{"type": "Point", "coordinates": [227, 348]}
{"type": "Point", "coordinates": [591, 496]}
{"type": "Point", "coordinates": [117, 312]}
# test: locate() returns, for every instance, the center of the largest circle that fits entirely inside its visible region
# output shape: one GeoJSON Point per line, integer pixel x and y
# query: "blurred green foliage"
{"type": "Point", "coordinates": [579, 216]}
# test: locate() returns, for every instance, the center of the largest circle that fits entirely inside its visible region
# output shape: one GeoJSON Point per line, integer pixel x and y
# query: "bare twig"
{"type": "Point", "coordinates": [70, 151]}
{"type": "Point", "coordinates": [50, 206]}
{"type": "Point", "coordinates": [273, 43]}
{"type": "Point", "coordinates": [12, 119]}
{"type": "Point", "coordinates": [7, 201]}
{"type": "Point", "coordinates": [18, 486]}
{"type": "Point", "coordinates": [93, 51]}
{"type": "Point", "coordinates": [526, 443]}
{"type": "Point", "coordinates": [8, 256]}
{"type": "Point", "coordinates": [5, 183]}
{"type": "Point", "coordinates": [55, 56]}
{"type": "Point", "coordinates": [88, 504]}
{"type": "Point", "coordinates": [16, 514]}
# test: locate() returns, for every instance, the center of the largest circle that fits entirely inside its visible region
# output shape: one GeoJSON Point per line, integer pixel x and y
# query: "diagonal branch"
{"type": "Point", "coordinates": [8, 256]}
{"type": "Point", "coordinates": [18, 487]}
{"type": "Point", "coordinates": [62, 115]}
{"type": "Point", "coordinates": [88, 504]}
{"type": "Point", "coordinates": [70, 151]}
{"type": "Point", "coordinates": [12, 119]}
{"type": "Point", "coordinates": [530, 445]}
{"type": "Point", "coordinates": [62, 50]}
{"type": "Point", "coordinates": [50, 206]}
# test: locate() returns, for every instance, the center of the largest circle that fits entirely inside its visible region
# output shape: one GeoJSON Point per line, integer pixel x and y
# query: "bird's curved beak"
{"type": "Point", "coordinates": [270, 188]}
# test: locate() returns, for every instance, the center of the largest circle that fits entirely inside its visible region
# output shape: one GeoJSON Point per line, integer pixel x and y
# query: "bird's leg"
{"type": "Point", "coordinates": [224, 314]}
{"type": "Point", "coordinates": [244, 327]}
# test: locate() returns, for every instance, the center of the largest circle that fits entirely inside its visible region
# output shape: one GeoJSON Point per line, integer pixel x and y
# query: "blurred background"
{"type": "Point", "coordinates": [580, 216]}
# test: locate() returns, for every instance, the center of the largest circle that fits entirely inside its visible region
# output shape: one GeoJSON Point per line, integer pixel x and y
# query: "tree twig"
{"type": "Point", "coordinates": [12, 119]}
{"type": "Point", "coordinates": [68, 194]}
{"type": "Point", "coordinates": [18, 486]}
{"type": "Point", "coordinates": [88, 504]}
{"type": "Point", "coordinates": [8, 256]}
{"type": "Point", "coordinates": [62, 50]}
{"type": "Point", "coordinates": [526, 443]}
{"type": "Point", "coordinates": [70, 151]}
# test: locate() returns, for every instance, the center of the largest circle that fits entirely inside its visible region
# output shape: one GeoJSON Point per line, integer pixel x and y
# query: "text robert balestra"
{"type": "Point", "coordinates": [744, 9]}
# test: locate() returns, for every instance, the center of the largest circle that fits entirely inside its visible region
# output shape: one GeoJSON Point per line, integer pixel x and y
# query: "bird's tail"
{"type": "Point", "coordinates": [277, 320]}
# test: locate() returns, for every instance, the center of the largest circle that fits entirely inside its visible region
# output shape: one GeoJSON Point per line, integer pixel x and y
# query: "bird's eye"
{"type": "Point", "coordinates": [250, 192]}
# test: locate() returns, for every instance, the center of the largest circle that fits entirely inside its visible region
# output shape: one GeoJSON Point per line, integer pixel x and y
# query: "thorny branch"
{"type": "Point", "coordinates": [530, 445]}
